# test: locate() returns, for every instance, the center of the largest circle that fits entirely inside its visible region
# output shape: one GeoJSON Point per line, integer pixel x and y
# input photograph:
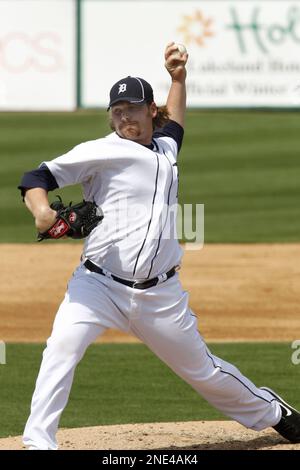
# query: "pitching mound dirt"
{"type": "Point", "coordinates": [196, 435]}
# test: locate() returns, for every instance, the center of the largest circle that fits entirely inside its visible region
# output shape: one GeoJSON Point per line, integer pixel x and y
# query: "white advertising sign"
{"type": "Point", "coordinates": [241, 53]}
{"type": "Point", "coordinates": [37, 55]}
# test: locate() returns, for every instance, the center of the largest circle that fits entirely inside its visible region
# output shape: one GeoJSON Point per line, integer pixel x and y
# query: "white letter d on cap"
{"type": "Point", "coordinates": [122, 88]}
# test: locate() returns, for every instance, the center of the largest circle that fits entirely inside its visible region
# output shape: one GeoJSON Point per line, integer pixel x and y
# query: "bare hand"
{"type": "Point", "coordinates": [175, 63]}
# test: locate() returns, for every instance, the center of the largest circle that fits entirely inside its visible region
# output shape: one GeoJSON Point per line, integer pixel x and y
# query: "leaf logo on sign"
{"type": "Point", "coordinates": [195, 28]}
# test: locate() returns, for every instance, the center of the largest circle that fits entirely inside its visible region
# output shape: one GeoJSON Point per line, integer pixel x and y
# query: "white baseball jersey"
{"type": "Point", "coordinates": [137, 190]}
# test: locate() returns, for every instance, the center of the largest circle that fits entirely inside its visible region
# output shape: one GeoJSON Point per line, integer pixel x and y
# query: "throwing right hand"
{"type": "Point", "coordinates": [175, 63]}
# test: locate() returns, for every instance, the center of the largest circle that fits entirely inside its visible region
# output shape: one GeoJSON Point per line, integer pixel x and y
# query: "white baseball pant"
{"type": "Point", "coordinates": [161, 318]}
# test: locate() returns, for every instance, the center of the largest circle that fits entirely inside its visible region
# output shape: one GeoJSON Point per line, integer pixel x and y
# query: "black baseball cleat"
{"type": "Point", "coordinates": [289, 425]}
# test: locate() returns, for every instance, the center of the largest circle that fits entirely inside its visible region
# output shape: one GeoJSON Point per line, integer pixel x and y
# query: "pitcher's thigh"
{"type": "Point", "coordinates": [74, 329]}
{"type": "Point", "coordinates": [174, 338]}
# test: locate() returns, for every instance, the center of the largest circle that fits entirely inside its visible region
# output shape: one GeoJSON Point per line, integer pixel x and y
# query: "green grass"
{"type": "Point", "coordinates": [126, 383]}
{"type": "Point", "coordinates": [244, 166]}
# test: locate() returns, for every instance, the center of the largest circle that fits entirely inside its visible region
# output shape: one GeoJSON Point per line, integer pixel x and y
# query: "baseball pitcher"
{"type": "Point", "coordinates": [128, 275]}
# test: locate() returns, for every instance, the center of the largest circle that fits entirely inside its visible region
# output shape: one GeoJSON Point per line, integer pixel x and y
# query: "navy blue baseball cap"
{"type": "Point", "coordinates": [132, 89]}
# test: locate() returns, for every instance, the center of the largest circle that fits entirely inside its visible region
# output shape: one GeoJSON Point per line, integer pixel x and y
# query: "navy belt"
{"type": "Point", "coordinates": [134, 284]}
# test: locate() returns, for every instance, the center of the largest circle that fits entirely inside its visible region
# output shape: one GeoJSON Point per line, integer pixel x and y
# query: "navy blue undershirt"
{"type": "Point", "coordinates": [171, 129]}
{"type": "Point", "coordinates": [42, 177]}
{"type": "Point", "coordinates": [38, 178]}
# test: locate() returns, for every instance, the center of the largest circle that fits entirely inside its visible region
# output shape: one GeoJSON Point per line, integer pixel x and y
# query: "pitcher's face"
{"type": "Point", "coordinates": [133, 122]}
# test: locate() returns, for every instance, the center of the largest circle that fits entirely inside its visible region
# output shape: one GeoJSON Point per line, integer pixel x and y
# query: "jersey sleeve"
{"type": "Point", "coordinates": [77, 165]}
{"type": "Point", "coordinates": [171, 129]}
{"type": "Point", "coordinates": [38, 178]}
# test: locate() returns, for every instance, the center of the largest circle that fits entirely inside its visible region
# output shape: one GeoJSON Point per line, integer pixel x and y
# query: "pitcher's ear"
{"type": "Point", "coordinates": [153, 109]}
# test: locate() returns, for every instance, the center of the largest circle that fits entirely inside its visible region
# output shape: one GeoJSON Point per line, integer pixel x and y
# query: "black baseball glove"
{"type": "Point", "coordinates": [75, 221]}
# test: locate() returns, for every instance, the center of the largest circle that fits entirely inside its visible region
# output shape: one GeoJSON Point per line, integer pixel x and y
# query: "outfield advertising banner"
{"type": "Point", "coordinates": [37, 55]}
{"type": "Point", "coordinates": [242, 53]}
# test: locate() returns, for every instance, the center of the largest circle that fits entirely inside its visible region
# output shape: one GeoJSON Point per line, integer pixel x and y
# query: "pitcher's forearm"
{"type": "Point", "coordinates": [176, 102]}
{"type": "Point", "coordinates": [175, 63]}
{"type": "Point", "coordinates": [36, 200]}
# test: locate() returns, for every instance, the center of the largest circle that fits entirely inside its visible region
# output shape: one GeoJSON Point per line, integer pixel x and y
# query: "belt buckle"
{"type": "Point", "coordinates": [107, 273]}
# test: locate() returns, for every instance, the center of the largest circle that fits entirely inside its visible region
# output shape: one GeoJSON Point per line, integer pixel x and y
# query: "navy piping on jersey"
{"type": "Point", "coordinates": [232, 375]}
{"type": "Point", "coordinates": [154, 146]}
{"type": "Point", "coordinates": [153, 199]}
{"type": "Point", "coordinates": [175, 164]}
{"type": "Point", "coordinates": [159, 239]}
